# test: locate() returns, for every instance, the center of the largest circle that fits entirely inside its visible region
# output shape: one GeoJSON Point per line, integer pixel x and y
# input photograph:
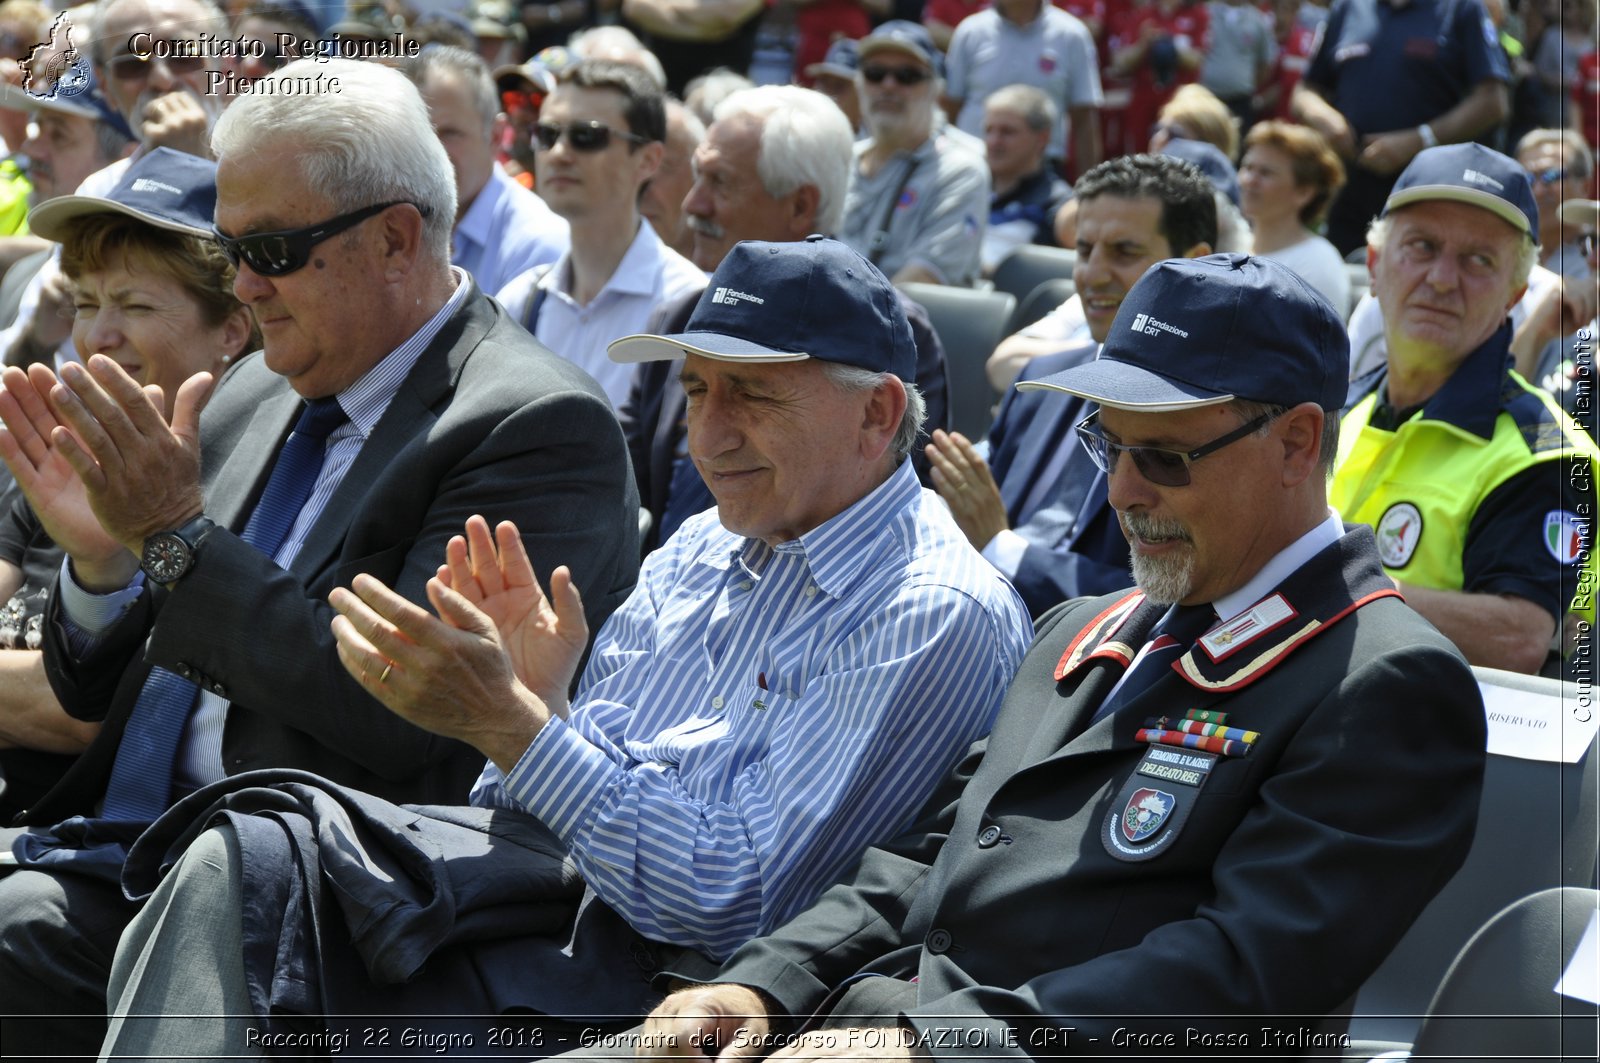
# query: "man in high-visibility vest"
{"type": "Point", "coordinates": [1479, 487]}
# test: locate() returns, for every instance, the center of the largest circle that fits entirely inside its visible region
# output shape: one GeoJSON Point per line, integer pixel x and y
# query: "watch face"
{"type": "Point", "coordinates": [166, 557]}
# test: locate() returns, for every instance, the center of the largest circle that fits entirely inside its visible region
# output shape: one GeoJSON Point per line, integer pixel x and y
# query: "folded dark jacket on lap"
{"type": "Point", "coordinates": [400, 883]}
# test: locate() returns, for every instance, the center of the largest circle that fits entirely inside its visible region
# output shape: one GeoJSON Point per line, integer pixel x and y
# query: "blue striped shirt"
{"type": "Point", "coordinates": [754, 717]}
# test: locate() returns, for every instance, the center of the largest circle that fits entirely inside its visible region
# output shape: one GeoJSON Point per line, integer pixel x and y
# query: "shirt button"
{"type": "Point", "coordinates": [811, 591]}
{"type": "Point", "coordinates": [989, 837]}
{"type": "Point", "coordinates": [716, 702]}
{"type": "Point", "coordinates": [939, 942]}
{"type": "Point", "coordinates": [746, 585]}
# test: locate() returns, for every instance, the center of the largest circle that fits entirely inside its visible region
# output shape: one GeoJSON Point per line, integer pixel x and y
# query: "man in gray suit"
{"type": "Point", "coordinates": [1210, 806]}
{"type": "Point", "coordinates": [336, 207]}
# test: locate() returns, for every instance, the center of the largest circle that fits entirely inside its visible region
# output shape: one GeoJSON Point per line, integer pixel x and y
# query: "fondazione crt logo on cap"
{"type": "Point", "coordinates": [733, 297]}
{"type": "Point", "coordinates": [1149, 326]}
{"type": "Point", "coordinates": [55, 68]}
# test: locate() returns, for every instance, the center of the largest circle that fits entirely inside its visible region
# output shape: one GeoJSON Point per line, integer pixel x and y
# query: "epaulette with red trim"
{"type": "Point", "coordinates": [1307, 604]}
{"type": "Point", "coordinates": [1097, 637]}
{"type": "Point", "coordinates": [1235, 654]}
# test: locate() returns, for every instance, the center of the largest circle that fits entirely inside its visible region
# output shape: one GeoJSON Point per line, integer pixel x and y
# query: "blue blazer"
{"type": "Point", "coordinates": [1075, 546]}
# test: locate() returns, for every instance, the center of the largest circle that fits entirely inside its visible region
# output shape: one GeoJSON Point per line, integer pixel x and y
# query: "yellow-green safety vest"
{"type": "Point", "coordinates": [1419, 486]}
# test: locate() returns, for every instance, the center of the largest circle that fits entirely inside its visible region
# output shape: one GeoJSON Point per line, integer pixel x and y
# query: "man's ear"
{"type": "Point", "coordinates": [885, 408]}
{"type": "Point", "coordinates": [1300, 430]}
{"type": "Point", "coordinates": [237, 333]}
{"type": "Point", "coordinates": [801, 216]}
{"type": "Point", "coordinates": [650, 157]}
{"type": "Point", "coordinates": [402, 240]}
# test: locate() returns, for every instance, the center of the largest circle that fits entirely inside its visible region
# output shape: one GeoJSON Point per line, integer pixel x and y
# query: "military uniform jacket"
{"type": "Point", "coordinates": [1295, 870]}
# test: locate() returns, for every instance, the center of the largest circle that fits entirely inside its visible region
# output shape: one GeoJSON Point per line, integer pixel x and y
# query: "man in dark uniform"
{"type": "Point", "coordinates": [1388, 80]}
{"type": "Point", "coordinates": [1162, 830]}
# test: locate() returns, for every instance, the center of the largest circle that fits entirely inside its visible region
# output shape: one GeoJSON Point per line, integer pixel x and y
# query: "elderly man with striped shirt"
{"type": "Point", "coordinates": [792, 676]}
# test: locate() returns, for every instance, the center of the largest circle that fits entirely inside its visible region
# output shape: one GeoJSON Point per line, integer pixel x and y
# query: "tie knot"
{"type": "Point", "coordinates": [1188, 622]}
{"type": "Point", "coordinates": [320, 418]}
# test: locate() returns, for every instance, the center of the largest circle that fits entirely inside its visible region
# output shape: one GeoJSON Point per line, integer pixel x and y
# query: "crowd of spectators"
{"type": "Point", "coordinates": [522, 255]}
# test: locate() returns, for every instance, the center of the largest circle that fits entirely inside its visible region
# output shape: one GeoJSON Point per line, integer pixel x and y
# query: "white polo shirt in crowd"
{"type": "Point", "coordinates": [649, 274]}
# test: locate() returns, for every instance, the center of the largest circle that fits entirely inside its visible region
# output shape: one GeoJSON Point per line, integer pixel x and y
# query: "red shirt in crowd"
{"type": "Point", "coordinates": [1294, 55]}
{"type": "Point", "coordinates": [1587, 93]}
{"type": "Point", "coordinates": [1186, 24]}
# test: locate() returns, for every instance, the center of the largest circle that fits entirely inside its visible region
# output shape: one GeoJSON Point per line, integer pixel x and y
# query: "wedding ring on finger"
{"type": "Point", "coordinates": [386, 670]}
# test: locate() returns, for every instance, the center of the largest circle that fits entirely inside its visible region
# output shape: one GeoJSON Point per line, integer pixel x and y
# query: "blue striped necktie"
{"type": "Point", "coordinates": [141, 777]}
{"type": "Point", "coordinates": [1187, 623]}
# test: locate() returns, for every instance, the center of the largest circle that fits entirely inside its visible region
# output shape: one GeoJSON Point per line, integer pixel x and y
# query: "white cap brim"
{"type": "Point", "coordinates": [648, 348]}
{"type": "Point", "coordinates": [1456, 194]}
{"type": "Point", "coordinates": [50, 219]}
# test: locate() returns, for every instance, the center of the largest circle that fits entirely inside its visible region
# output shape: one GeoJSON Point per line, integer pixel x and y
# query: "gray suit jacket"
{"type": "Point", "coordinates": [488, 421]}
{"type": "Point", "coordinates": [1297, 868]}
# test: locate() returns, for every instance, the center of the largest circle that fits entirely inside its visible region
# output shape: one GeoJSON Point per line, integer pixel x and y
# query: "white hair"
{"type": "Point", "coordinates": [1038, 110]}
{"type": "Point", "coordinates": [853, 378]}
{"type": "Point", "coordinates": [449, 62]}
{"type": "Point", "coordinates": [705, 93]}
{"type": "Point", "coordinates": [805, 140]}
{"type": "Point", "coordinates": [212, 23]}
{"type": "Point", "coordinates": [678, 112]}
{"type": "Point", "coordinates": [369, 141]}
{"type": "Point", "coordinates": [618, 43]}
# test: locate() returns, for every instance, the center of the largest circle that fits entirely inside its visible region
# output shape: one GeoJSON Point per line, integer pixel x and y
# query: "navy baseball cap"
{"type": "Point", "coordinates": [1202, 331]}
{"type": "Point", "coordinates": [901, 35]}
{"type": "Point", "coordinates": [169, 189]}
{"type": "Point", "coordinates": [1469, 173]}
{"type": "Point", "coordinates": [788, 302]}
{"type": "Point", "coordinates": [843, 60]}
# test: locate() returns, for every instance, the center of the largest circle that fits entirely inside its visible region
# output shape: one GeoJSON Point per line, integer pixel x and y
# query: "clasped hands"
{"type": "Point", "coordinates": [98, 461]}
{"type": "Point", "coordinates": [493, 666]}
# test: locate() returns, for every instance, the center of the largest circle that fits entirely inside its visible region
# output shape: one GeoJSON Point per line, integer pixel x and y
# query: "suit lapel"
{"type": "Point", "coordinates": [234, 484]}
{"type": "Point", "coordinates": [1045, 433]}
{"type": "Point", "coordinates": [1096, 658]}
{"type": "Point", "coordinates": [670, 429]}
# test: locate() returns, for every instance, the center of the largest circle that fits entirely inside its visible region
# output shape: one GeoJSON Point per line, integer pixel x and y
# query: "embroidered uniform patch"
{"type": "Point", "coordinates": [1565, 535]}
{"type": "Point", "coordinates": [1398, 532]}
{"type": "Point", "coordinates": [1145, 819]}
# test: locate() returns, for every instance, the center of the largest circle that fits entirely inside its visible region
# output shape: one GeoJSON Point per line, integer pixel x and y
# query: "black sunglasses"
{"type": "Point", "coordinates": [132, 67]}
{"type": "Point", "coordinates": [583, 136]}
{"type": "Point", "coordinates": [905, 75]}
{"type": "Point", "coordinates": [278, 253]}
{"type": "Point", "coordinates": [1159, 465]}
